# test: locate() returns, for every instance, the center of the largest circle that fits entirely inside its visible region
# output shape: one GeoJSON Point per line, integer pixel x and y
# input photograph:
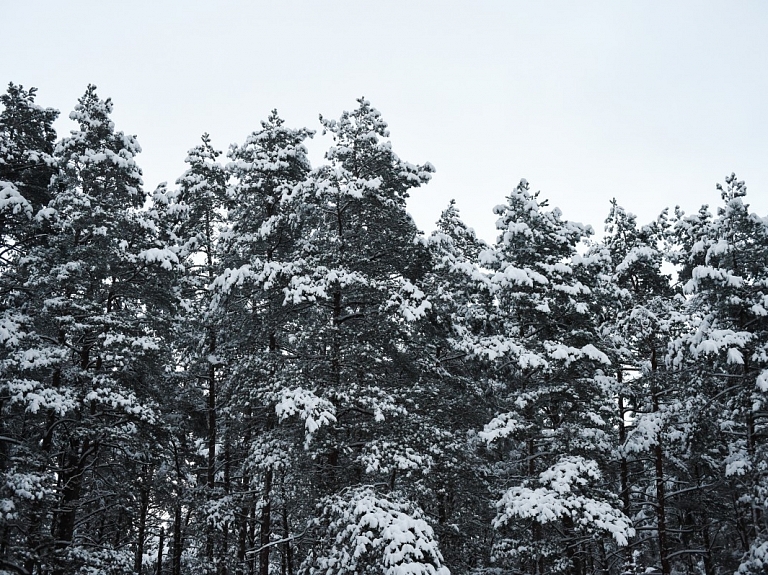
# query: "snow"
{"type": "Point", "coordinates": [560, 496]}
{"type": "Point", "coordinates": [365, 528]}
{"type": "Point", "coordinates": [12, 201]}
{"type": "Point", "coordinates": [723, 276]}
{"type": "Point", "coordinates": [646, 432]}
{"type": "Point", "coordinates": [762, 381]}
{"type": "Point", "coordinates": [121, 400]}
{"type": "Point", "coordinates": [569, 354]}
{"type": "Point", "coordinates": [163, 256]}
{"type": "Point", "coordinates": [737, 463]}
{"type": "Point", "coordinates": [314, 411]}
{"type": "Point", "coordinates": [735, 356]}
{"type": "Point", "coordinates": [34, 397]}
{"type": "Point", "coordinates": [502, 426]}
{"type": "Point", "coordinates": [635, 254]}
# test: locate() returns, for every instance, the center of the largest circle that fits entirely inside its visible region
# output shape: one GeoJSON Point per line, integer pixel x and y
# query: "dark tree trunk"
{"type": "Point", "coordinates": [252, 540]}
{"type": "Point", "coordinates": [287, 548]}
{"type": "Point", "coordinates": [661, 514]}
{"type": "Point", "coordinates": [571, 549]}
{"type": "Point", "coordinates": [242, 538]}
{"type": "Point", "coordinates": [211, 471]}
{"type": "Point", "coordinates": [265, 522]}
{"type": "Point", "coordinates": [143, 507]}
{"type": "Point", "coordinates": [242, 535]}
{"type": "Point", "coordinates": [159, 567]}
{"type": "Point", "coordinates": [177, 543]}
{"type": "Point", "coordinates": [624, 472]}
{"type": "Point", "coordinates": [265, 525]}
{"type": "Point", "coordinates": [224, 551]}
{"type": "Point", "coordinates": [72, 482]}
{"type": "Point", "coordinates": [658, 456]}
{"type": "Point", "coordinates": [709, 568]}
{"type": "Point", "coordinates": [4, 444]}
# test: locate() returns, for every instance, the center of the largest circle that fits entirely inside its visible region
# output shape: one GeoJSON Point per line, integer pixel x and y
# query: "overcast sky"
{"type": "Point", "coordinates": [649, 102]}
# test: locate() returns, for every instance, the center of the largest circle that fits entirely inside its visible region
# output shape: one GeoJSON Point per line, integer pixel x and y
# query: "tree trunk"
{"type": "Point", "coordinates": [159, 567]}
{"type": "Point", "coordinates": [571, 549]}
{"type": "Point", "coordinates": [72, 483]}
{"type": "Point", "coordinates": [709, 568]}
{"type": "Point", "coordinates": [287, 549]}
{"type": "Point", "coordinates": [265, 525]}
{"type": "Point", "coordinates": [252, 540]}
{"type": "Point", "coordinates": [4, 445]}
{"type": "Point", "coordinates": [624, 472]}
{"type": "Point", "coordinates": [658, 456]}
{"type": "Point", "coordinates": [242, 535]}
{"type": "Point", "coordinates": [211, 471]}
{"type": "Point", "coordinates": [177, 543]}
{"type": "Point", "coordinates": [224, 551]}
{"type": "Point", "coordinates": [661, 517]}
{"type": "Point", "coordinates": [143, 507]}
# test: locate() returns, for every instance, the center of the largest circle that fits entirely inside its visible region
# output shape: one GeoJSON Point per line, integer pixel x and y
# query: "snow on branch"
{"type": "Point", "coordinates": [563, 494]}
{"type": "Point", "coordinates": [363, 532]}
{"type": "Point", "coordinates": [313, 410]}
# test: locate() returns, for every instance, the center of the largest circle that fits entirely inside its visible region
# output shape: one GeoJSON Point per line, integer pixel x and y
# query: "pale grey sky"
{"type": "Point", "coordinates": [650, 102]}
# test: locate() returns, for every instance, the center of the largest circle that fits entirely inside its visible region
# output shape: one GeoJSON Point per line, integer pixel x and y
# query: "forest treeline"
{"type": "Point", "coordinates": [266, 368]}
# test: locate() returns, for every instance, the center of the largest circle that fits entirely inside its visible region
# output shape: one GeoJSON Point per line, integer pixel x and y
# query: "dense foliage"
{"type": "Point", "coordinates": [267, 368]}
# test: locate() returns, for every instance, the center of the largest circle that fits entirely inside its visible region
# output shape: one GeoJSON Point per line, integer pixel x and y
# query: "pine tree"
{"type": "Point", "coordinates": [550, 381]}
{"type": "Point", "coordinates": [357, 279]}
{"type": "Point", "coordinates": [641, 316]}
{"type": "Point", "coordinates": [723, 358]}
{"type": "Point", "coordinates": [27, 139]}
{"type": "Point", "coordinates": [191, 216]}
{"type": "Point", "coordinates": [86, 367]}
{"type": "Point", "coordinates": [26, 146]}
{"type": "Point", "coordinates": [259, 256]}
{"type": "Point", "coordinates": [461, 481]}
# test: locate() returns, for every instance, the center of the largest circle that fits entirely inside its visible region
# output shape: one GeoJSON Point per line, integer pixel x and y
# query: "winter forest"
{"type": "Point", "coordinates": [266, 368]}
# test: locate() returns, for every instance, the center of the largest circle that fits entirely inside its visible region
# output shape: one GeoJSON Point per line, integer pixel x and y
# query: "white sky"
{"type": "Point", "coordinates": [650, 102]}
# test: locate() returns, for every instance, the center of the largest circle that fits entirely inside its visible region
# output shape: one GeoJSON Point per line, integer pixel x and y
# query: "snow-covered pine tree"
{"type": "Point", "coordinates": [27, 138]}
{"type": "Point", "coordinates": [26, 147]}
{"type": "Point", "coordinates": [259, 258]}
{"type": "Point", "coordinates": [640, 317]}
{"type": "Point", "coordinates": [86, 366]}
{"type": "Point", "coordinates": [26, 144]}
{"type": "Point", "coordinates": [190, 217]}
{"type": "Point", "coordinates": [723, 357]}
{"type": "Point", "coordinates": [460, 293]}
{"type": "Point", "coordinates": [552, 429]}
{"type": "Point", "coordinates": [358, 390]}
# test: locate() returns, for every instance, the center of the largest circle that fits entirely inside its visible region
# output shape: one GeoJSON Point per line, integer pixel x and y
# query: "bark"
{"type": "Point", "coordinates": [224, 552]}
{"type": "Point", "coordinates": [242, 535]}
{"type": "Point", "coordinates": [658, 456]}
{"type": "Point", "coordinates": [287, 549]}
{"type": "Point", "coordinates": [709, 568]}
{"type": "Point", "coordinates": [624, 472]}
{"type": "Point", "coordinates": [177, 543]}
{"type": "Point", "coordinates": [75, 463]}
{"type": "Point", "coordinates": [336, 351]}
{"type": "Point", "coordinates": [265, 522]}
{"type": "Point", "coordinates": [211, 471]}
{"type": "Point", "coordinates": [4, 445]}
{"type": "Point", "coordinates": [571, 550]}
{"type": "Point", "coordinates": [265, 525]}
{"type": "Point", "coordinates": [143, 507]}
{"type": "Point", "coordinates": [159, 567]}
{"type": "Point", "coordinates": [252, 540]}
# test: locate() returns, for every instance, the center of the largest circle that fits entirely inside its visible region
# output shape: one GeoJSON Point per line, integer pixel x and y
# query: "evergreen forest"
{"type": "Point", "coordinates": [265, 368]}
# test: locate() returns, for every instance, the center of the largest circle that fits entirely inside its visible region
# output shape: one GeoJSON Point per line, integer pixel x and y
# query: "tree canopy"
{"type": "Point", "coordinates": [267, 368]}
